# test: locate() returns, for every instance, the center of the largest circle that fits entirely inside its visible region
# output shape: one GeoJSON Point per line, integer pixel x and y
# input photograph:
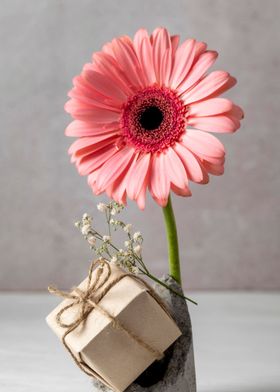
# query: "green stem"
{"type": "Point", "coordinates": [170, 288]}
{"type": "Point", "coordinates": [172, 240]}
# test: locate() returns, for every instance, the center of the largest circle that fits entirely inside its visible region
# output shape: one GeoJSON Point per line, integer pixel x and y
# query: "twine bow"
{"type": "Point", "coordinates": [84, 300]}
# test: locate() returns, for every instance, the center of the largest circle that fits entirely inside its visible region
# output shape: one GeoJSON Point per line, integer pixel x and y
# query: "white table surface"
{"type": "Point", "coordinates": [236, 339]}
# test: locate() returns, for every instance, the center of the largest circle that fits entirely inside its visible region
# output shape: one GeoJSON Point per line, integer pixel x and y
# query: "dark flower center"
{"type": "Point", "coordinates": [151, 118]}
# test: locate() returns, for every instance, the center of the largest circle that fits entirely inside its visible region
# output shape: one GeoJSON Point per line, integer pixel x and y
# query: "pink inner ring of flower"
{"type": "Point", "coordinates": [153, 119]}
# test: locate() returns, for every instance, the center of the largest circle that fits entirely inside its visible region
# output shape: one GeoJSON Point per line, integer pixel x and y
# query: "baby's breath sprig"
{"type": "Point", "coordinates": [130, 257]}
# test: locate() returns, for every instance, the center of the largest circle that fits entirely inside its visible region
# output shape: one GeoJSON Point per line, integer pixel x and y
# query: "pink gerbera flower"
{"type": "Point", "coordinates": [143, 110]}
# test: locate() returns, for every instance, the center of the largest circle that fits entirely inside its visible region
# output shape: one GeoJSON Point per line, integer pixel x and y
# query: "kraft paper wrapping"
{"type": "Point", "coordinates": [116, 358]}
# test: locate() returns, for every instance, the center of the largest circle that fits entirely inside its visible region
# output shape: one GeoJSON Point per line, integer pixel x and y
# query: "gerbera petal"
{"type": "Point", "coordinates": [118, 190]}
{"type": "Point", "coordinates": [93, 161]}
{"type": "Point", "coordinates": [90, 113]}
{"type": "Point", "coordinates": [237, 112]}
{"type": "Point", "coordinates": [133, 59]}
{"type": "Point", "coordinates": [203, 142]}
{"type": "Point", "coordinates": [216, 170]}
{"type": "Point", "coordinates": [141, 198]}
{"type": "Point", "coordinates": [127, 60]}
{"type": "Point", "coordinates": [114, 192]}
{"type": "Point", "coordinates": [182, 63]}
{"type": "Point", "coordinates": [138, 175]}
{"type": "Point", "coordinates": [204, 62]}
{"type": "Point", "coordinates": [190, 162]}
{"type": "Point", "coordinates": [207, 86]}
{"type": "Point", "coordinates": [87, 128]}
{"type": "Point", "coordinates": [75, 107]}
{"type": "Point", "coordinates": [159, 183]}
{"type": "Point", "coordinates": [82, 99]}
{"type": "Point", "coordinates": [114, 167]}
{"type": "Point", "coordinates": [137, 40]}
{"type": "Point", "coordinates": [174, 39]}
{"type": "Point", "coordinates": [174, 168]}
{"type": "Point", "coordinates": [181, 191]}
{"type": "Point", "coordinates": [225, 87]}
{"type": "Point", "coordinates": [85, 89]}
{"type": "Point", "coordinates": [146, 60]}
{"type": "Point", "coordinates": [161, 42]}
{"type": "Point", "coordinates": [104, 85]}
{"type": "Point", "coordinates": [108, 66]}
{"type": "Point", "coordinates": [218, 124]}
{"type": "Point", "coordinates": [108, 48]}
{"type": "Point", "coordinates": [165, 69]}
{"type": "Point", "coordinates": [92, 181]}
{"type": "Point", "coordinates": [87, 145]}
{"type": "Point", "coordinates": [211, 159]}
{"type": "Point", "coordinates": [200, 47]}
{"type": "Point", "coordinates": [210, 107]}
{"type": "Point", "coordinates": [98, 138]}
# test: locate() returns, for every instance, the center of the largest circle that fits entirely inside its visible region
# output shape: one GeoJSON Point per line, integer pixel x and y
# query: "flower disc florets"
{"type": "Point", "coordinates": [153, 119]}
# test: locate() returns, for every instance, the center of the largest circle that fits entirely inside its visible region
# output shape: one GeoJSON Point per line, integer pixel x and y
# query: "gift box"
{"type": "Point", "coordinates": [114, 326]}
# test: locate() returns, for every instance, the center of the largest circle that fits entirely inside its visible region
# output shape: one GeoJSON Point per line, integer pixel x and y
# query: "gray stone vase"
{"type": "Point", "coordinates": [176, 371]}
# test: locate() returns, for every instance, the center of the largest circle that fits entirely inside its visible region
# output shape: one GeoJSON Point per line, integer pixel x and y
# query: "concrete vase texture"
{"type": "Point", "coordinates": [176, 371]}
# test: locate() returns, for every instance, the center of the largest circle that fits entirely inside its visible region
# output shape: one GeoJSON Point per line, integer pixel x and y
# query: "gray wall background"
{"type": "Point", "coordinates": [229, 229]}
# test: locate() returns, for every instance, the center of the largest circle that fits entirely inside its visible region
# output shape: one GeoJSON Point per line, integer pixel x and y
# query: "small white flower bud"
{"type": "Point", "coordinates": [137, 250]}
{"type": "Point", "coordinates": [101, 207]}
{"type": "Point", "coordinates": [113, 211]}
{"type": "Point", "coordinates": [114, 259]}
{"type": "Point", "coordinates": [136, 235]}
{"type": "Point", "coordinates": [126, 244]}
{"type": "Point", "coordinates": [77, 224]}
{"type": "Point", "coordinates": [86, 229]}
{"type": "Point", "coordinates": [127, 227]}
{"type": "Point", "coordinates": [91, 239]}
{"type": "Point", "coordinates": [106, 238]}
{"type": "Point", "coordinates": [85, 216]}
{"type": "Point", "coordinates": [135, 270]}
